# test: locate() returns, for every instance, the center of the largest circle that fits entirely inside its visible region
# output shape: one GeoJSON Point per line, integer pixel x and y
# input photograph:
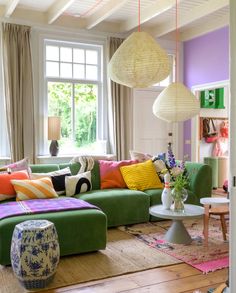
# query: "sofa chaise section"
{"type": "Point", "coordinates": [78, 231]}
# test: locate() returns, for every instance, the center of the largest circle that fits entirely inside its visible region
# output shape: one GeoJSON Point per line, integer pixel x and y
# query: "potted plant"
{"type": "Point", "coordinates": [179, 191]}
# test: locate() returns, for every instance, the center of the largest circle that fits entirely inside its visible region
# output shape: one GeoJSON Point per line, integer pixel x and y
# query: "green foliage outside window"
{"type": "Point", "coordinates": [76, 104]}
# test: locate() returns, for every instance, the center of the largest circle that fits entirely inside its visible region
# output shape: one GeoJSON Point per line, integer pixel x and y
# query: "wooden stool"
{"type": "Point", "coordinates": [215, 206]}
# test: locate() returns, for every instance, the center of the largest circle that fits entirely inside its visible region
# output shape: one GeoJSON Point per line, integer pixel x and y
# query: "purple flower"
{"type": "Point", "coordinates": [171, 157]}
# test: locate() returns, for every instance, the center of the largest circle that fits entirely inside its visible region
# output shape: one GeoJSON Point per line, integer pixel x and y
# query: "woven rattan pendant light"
{"type": "Point", "coordinates": [139, 62]}
{"type": "Point", "coordinates": [176, 102]}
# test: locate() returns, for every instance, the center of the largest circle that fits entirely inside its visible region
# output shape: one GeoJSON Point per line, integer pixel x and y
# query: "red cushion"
{"type": "Point", "coordinates": [6, 188]}
{"type": "Point", "coordinates": [110, 174]}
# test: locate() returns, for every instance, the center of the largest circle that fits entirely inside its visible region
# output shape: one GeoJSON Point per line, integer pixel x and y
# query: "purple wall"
{"type": "Point", "coordinates": [206, 59]}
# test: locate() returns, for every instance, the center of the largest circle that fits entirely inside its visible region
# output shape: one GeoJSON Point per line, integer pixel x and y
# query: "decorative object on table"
{"type": "Point", "coordinates": [54, 134]}
{"type": "Point", "coordinates": [176, 102]}
{"type": "Point", "coordinates": [139, 62]}
{"type": "Point", "coordinates": [35, 253]}
{"type": "Point", "coordinates": [166, 197]}
{"type": "Point", "coordinates": [179, 193]}
{"type": "Point", "coordinates": [179, 181]}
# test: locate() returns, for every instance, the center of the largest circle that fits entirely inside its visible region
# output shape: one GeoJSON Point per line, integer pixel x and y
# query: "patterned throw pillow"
{"type": "Point", "coordinates": [141, 176]}
{"type": "Point", "coordinates": [57, 177]}
{"type": "Point", "coordinates": [110, 174]}
{"type": "Point", "coordinates": [141, 157]}
{"type": "Point", "coordinates": [7, 190]}
{"type": "Point", "coordinates": [31, 189]}
{"type": "Point", "coordinates": [78, 184]}
{"type": "Point", "coordinates": [19, 166]}
{"type": "Point", "coordinates": [160, 167]}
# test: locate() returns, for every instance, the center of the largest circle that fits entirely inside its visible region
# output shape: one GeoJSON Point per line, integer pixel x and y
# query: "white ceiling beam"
{"type": "Point", "coordinates": [108, 9]}
{"type": "Point", "coordinates": [150, 12]}
{"type": "Point", "coordinates": [10, 7]}
{"type": "Point", "coordinates": [57, 9]}
{"type": "Point", "coordinates": [209, 26]}
{"type": "Point", "coordinates": [196, 13]}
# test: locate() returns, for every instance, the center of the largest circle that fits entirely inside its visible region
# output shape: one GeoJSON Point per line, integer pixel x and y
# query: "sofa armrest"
{"type": "Point", "coordinates": [200, 176]}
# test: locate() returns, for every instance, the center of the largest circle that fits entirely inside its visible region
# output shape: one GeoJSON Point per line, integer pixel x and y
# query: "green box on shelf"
{"type": "Point", "coordinates": [212, 99]}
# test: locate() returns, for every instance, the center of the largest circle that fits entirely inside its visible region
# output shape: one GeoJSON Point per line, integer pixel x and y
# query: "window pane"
{"type": "Point", "coordinates": [66, 70]}
{"type": "Point", "coordinates": [66, 54]}
{"type": "Point", "coordinates": [91, 57]}
{"type": "Point", "coordinates": [91, 72]}
{"type": "Point", "coordinates": [52, 69]}
{"type": "Point", "coordinates": [85, 114]}
{"type": "Point", "coordinates": [78, 71]}
{"type": "Point", "coordinates": [59, 104]}
{"type": "Point", "coordinates": [52, 53]}
{"type": "Point", "coordinates": [78, 56]}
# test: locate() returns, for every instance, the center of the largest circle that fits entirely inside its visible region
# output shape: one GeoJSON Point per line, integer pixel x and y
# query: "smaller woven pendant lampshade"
{"type": "Point", "coordinates": [139, 62]}
{"type": "Point", "coordinates": [176, 103]}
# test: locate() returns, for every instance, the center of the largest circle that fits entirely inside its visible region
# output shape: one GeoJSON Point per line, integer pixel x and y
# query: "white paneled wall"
{"type": "Point", "coordinates": [151, 133]}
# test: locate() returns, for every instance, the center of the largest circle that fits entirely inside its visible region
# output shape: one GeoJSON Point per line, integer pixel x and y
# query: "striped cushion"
{"type": "Point", "coordinates": [141, 176]}
{"type": "Point", "coordinates": [31, 189]}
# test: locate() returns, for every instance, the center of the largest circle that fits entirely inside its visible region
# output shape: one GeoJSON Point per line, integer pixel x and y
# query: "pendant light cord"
{"type": "Point", "coordinates": [176, 42]}
{"type": "Point", "coordinates": [139, 16]}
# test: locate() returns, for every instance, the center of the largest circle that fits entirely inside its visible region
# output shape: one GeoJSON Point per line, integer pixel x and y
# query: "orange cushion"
{"type": "Point", "coordinates": [6, 188]}
{"type": "Point", "coordinates": [110, 174]}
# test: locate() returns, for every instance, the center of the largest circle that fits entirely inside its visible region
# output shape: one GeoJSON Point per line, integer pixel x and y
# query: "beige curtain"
{"type": "Point", "coordinates": [121, 108]}
{"type": "Point", "coordinates": [18, 86]}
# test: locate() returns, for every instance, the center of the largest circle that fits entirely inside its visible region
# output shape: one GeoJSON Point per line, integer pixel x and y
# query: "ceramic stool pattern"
{"type": "Point", "coordinates": [35, 253]}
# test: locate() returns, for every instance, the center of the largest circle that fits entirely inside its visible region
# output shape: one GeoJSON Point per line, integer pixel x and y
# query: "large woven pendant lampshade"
{"type": "Point", "coordinates": [176, 103]}
{"type": "Point", "coordinates": [139, 62]}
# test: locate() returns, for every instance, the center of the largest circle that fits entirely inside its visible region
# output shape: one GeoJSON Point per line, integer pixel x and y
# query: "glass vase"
{"type": "Point", "coordinates": [179, 197]}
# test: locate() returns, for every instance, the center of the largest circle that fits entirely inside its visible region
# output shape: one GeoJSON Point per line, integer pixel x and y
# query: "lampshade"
{"type": "Point", "coordinates": [176, 103]}
{"type": "Point", "coordinates": [139, 62]}
{"type": "Point", "coordinates": [54, 128]}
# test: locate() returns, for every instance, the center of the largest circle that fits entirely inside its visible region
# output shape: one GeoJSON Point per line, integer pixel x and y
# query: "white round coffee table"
{"type": "Point", "coordinates": [177, 232]}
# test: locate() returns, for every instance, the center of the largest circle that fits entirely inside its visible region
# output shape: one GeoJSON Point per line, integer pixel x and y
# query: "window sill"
{"type": "Point", "coordinates": [47, 159]}
{"type": "Point", "coordinates": [5, 161]}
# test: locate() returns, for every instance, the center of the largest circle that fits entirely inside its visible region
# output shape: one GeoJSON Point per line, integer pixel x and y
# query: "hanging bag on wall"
{"type": "Point", "coordinates": [224, 129]}
{"type": "Point", "coordinates": [209, 130]}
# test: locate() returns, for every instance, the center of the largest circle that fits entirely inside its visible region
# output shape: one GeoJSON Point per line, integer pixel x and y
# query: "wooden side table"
{"type": "Point", "coordinates": [214, 206]}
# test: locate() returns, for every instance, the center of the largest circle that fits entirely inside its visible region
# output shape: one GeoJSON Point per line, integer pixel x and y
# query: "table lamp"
{"type": "Point", "coordinates": [54, 134]}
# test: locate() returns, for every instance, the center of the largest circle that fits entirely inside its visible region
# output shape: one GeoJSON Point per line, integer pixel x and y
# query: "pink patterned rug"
{"type": "Point", "coordinates": [206, 259]}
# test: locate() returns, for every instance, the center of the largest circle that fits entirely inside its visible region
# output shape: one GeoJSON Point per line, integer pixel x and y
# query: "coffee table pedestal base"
{"type": "Point", "coordinates": [177, 233]}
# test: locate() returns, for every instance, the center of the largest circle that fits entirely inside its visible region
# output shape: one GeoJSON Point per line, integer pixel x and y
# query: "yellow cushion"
{"type": "Point", "coordinates": [31, 189]}
{"type": "Point", "coordinates": [141, 176]}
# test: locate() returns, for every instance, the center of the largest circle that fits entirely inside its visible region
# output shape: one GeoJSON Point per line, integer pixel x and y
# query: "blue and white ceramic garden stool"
{"type": "Point", "coordinates": [35, 253]}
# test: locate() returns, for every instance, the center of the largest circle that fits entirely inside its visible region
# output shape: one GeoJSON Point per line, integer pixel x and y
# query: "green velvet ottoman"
{"type": "Point", "coordinates": [78, 231]}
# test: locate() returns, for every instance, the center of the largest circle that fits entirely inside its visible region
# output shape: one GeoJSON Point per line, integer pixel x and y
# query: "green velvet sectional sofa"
{"type": "Point", "coordinates": [85, 230]}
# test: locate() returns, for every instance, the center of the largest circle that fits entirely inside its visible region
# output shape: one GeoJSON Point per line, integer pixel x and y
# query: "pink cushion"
{"type": "Point", "coordinates": [110, 174]}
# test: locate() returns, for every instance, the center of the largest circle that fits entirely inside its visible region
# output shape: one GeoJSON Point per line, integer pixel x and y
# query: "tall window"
{"type": "Point", "coordinates": [74, 85]}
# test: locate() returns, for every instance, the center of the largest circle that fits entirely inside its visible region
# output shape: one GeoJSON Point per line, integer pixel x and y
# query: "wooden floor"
{"type": "Point", "coordinates": [170, 279]}
{"type": "Point", "coordinates": [180, 278]}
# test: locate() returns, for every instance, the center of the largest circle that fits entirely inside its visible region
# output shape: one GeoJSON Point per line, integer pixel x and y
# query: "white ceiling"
{"type": "Point", "coordinates": [195, 17]}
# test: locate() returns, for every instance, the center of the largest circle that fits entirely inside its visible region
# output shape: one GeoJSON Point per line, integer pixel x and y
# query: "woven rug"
{"type": "Point", "coordinates": [205, 258]}
{"type": "Point", "coordinates": [124, 254]}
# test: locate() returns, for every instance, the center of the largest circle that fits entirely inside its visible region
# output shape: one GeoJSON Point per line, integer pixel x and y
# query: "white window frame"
{"type": "Point", "coordinates": [42, 104]}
